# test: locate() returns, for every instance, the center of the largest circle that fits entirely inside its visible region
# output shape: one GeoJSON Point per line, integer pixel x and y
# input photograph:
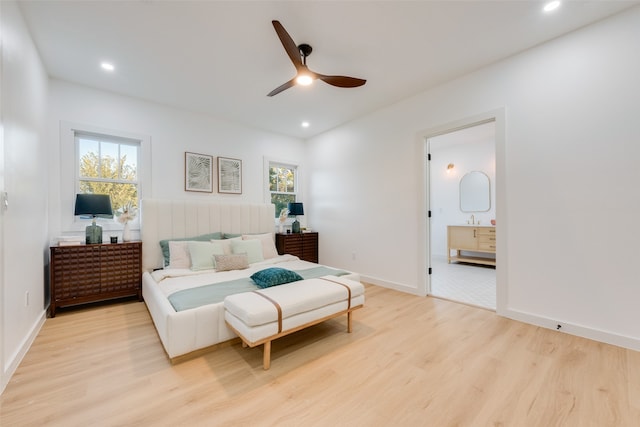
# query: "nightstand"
{"type": "Point", "coordinates": [302, 245]}
{"type": "Point", "coordinates": [82, 274]}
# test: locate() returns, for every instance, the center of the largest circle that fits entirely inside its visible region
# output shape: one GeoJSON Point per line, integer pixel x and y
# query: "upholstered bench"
{"type": "Point", "coordinates": [264, 315]}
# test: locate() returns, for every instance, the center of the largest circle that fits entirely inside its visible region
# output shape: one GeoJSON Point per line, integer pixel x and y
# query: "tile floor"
{"type": "Point", "coordinates": [466, 283]}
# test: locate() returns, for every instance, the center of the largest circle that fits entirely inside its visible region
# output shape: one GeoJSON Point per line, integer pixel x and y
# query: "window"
{"type": "Point", "coordinates": [108, 165]}
{"type": "Point", "coordinates": [283, 185]}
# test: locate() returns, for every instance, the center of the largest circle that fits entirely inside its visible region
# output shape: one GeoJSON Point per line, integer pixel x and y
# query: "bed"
{"type": "Point", "coordinates": [193, 328]}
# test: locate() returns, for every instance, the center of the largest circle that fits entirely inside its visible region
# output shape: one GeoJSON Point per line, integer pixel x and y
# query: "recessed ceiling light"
{"type": "Point", "coordinates": [305, 124]}
{"type": "Point", "coordinates": [107, 66]}
{"type": "Point", "coordinates": [552, 5]}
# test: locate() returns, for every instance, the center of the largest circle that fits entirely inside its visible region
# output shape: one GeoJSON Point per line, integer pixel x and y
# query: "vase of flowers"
{"type": "Point", "coordinates": [284, 213]}
{"type": "Point", "coordinates": [125, 214]}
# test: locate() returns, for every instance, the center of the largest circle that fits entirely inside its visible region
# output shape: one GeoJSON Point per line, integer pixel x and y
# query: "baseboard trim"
{"type": "Point", "coordinates": [16, 358]}
{"type": "Point", "coordinates": [574, 329]}
{"type": "Point", "coordinates": [390, 285]}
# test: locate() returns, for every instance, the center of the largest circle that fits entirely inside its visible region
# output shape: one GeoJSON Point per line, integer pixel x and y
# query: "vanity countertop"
{"type": "Point", "coordinates": [472, 225]}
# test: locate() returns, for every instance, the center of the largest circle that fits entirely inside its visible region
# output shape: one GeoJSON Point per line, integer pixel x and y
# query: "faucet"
{"type": "Point", "coordinates": [473, 219]}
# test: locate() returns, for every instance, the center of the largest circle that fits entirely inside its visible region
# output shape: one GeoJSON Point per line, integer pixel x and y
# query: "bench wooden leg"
{"type": "Point", "coordinates": [349, 322]}
{"type": "Point", "coordinates": [266, 356]}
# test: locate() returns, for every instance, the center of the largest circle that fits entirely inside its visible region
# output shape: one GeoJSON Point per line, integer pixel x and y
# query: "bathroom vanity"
{"type": "Point", "coordinates": [469, 241]}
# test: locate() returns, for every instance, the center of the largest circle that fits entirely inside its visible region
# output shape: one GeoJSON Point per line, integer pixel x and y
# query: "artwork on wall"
{"type": "Point", "coordinates": [229, 175]}
{"type": "Point", "coordinates": [198, 172]}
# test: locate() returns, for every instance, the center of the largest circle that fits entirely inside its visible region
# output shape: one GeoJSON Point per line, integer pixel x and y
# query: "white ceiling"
{"type": "Point", "coordinates": [223, 57]}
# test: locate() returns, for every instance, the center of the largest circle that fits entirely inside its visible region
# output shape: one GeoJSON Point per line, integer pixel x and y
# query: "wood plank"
{"type": "Point", "coordinates": [409, 361]}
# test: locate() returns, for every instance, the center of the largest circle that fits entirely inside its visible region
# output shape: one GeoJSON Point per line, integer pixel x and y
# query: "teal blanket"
{"type": "Point", "coordinates": [216, 292]}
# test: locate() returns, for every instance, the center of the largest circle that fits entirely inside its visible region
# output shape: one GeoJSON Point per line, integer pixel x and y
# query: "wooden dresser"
{"type": "Point", "coordinates": [471, 238]}
{"type": "Point", "coordinates": [302, 245]}
{"type": "Point", "coordinates": [88, 273]}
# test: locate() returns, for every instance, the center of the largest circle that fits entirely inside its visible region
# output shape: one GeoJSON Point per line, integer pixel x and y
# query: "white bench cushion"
{"type": "Point", "coordinates": [301, 302]}
{"type": "Point", "coordinates": [294, 298]}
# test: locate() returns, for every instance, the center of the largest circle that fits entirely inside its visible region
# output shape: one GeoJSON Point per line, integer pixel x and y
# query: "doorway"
{"type": "Point", "coordinates": [455, 156]}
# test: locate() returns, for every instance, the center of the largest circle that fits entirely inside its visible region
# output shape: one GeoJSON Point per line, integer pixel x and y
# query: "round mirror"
{"type": "Point", "coordinates": [475, 193]}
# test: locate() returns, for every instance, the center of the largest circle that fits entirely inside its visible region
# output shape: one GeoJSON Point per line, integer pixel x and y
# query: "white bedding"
{"type": "Point", "coordinates": [173, 280]}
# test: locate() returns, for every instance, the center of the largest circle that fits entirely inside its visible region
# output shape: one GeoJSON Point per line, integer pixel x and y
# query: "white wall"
{"type": "Point", "coordinates": [23, 174]}
{"type": "Point", "coordinates": [171, 132]}
{"type": "Point", "coordinates": [570, 193]}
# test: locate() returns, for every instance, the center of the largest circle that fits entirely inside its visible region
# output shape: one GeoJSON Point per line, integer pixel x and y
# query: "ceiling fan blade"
{"type": "Point", "coordinates": [341, 81]}
{"type": "Point", "coordinates": [289, 45]}
{"type": "Point", "coordinates": [280, 88]}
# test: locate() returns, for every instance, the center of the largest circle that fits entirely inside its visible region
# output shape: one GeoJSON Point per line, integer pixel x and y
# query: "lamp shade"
{"type": "Point", "coordinates": [93, 204]}
{"type": "Point", "coordinates": [295, 209]}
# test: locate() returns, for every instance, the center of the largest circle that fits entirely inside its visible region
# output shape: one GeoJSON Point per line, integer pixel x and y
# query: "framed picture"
{"type": "Point", "coordinates": [229, 175]}
{"type": "Point", "coordinates": [198, 172]}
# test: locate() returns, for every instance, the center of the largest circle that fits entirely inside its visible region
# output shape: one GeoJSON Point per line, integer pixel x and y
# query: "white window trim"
{"type": "Point", "coordinates": [69, 174]}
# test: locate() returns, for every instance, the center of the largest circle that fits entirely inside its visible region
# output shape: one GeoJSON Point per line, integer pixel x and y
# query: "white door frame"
{"type": "Point", "coordinates": [424, 224]}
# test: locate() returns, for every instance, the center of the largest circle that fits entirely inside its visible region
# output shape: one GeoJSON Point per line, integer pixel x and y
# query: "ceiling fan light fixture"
{"type": "Point", "coordinates": [304, 79]}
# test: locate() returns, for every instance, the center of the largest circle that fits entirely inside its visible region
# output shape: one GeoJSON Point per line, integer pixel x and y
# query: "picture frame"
{"type": "Point", "coordinates": [229, 175]}
{"type": "Point", "coordinates": [198, 172]}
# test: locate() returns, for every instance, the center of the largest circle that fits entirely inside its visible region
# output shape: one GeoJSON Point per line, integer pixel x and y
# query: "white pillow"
{"type": "Point", "coordinates": [268, 245]}
{"type": "Point", "coordinates": [202, 255]}
{"type": "Point", "coordinates": [179, 254]}
{"type": "Point", "coordinates": [253, 249]}
{"type": "Point", "coordinates": [225, 244]}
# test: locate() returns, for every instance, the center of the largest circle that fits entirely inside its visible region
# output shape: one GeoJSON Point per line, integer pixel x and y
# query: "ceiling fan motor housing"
{"type": "Point", "coordinates": [305, 49]}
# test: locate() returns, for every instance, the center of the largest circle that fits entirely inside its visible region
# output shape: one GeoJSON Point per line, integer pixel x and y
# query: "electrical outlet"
{"type": "Point", "coordinates": [26, 299]}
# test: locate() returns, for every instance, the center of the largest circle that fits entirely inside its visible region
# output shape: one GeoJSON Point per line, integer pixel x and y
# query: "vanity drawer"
{"type": "Point", "coordinates": [487, 239]}
{"type": "Point", "coordinates": [486, 231]}
{"type": "Point", "coordinates": [489, 245]}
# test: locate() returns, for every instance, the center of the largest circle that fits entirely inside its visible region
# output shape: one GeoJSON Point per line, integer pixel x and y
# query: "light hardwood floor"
{"type": "Point", "coordinates": [410, 361]}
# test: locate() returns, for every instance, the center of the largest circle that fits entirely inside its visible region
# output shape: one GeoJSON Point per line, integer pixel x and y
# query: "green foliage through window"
{"type": "Point", "coordinates": [108, 167]}
{"type": "Point", "coordinates": [282, 179]}
{"type": "Point", "coordinates": [282, 185]}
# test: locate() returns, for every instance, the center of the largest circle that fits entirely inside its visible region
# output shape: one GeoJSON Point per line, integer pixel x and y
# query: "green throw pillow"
{"type": "Point", "coordinates": [232, 235]}
{"type": "Point", "coordinates": [253, 249]}
{"type": "Point", "coordinates": [274, 276]}
{"type": "Point", "coordinates": [202, 255]}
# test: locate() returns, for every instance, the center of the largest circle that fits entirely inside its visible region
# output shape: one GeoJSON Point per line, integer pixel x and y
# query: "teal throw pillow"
{"type": "Point", "coordinates": [274, 276]}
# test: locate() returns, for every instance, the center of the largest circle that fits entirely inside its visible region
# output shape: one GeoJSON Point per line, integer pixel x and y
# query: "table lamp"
{"type": "Point", "coordinates": [295, 209]}
{"type": "Point", "coordinates": [94, 205]}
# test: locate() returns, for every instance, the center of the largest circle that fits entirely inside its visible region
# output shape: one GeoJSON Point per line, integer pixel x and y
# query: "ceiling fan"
{"type": "Point", "coordinates": [304, 76]}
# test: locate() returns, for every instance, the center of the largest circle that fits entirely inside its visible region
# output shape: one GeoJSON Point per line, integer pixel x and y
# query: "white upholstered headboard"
{"type": "Point", "coordinates": [167, 219]}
